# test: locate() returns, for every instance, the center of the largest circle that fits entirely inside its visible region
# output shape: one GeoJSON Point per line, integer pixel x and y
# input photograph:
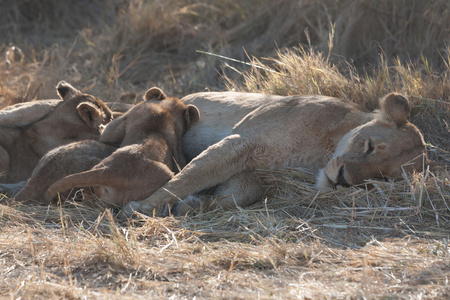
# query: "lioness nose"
{"type": "Point", "coordinates": [341, 179]}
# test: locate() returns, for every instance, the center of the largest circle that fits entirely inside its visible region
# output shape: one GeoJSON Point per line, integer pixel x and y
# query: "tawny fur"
{"type": "Point", "coordinates": [60, 162]}
{"type": "Point", "coordinates": [150, 151]}
{"type": "Point", "coordinates": [241, 132]}
{"type": "Point", "coordinates": [29, 130]}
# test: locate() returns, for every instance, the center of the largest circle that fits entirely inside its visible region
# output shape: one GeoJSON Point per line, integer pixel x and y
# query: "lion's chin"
{"type": "Point", "coordinates": [323, 182]}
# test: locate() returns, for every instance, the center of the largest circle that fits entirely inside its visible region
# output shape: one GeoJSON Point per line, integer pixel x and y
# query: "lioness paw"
{"type": "Point", "coordinates": [182, 208]}
{"type": "Point", "coordinates": [129, 210]}
{"type": "Point", "coordinates": [135, 207]}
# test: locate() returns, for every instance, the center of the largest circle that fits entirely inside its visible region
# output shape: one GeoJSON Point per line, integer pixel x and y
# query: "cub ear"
{"type": "Point", "coordinates": [91, 114]}
{"type": "Point", "coordinates": [154, 94]}
{"type": "Point", "coordinates": [65, 90]}
{"type": "Point", "coordinates": [191, 115]}
{"type": "Point", "coordinates": [395, 107]}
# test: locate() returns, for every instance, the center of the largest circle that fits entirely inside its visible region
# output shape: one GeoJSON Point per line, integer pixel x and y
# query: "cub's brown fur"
{"type": "Point", "coordinates": [61, 162]}
{"type": "Point", "coordinates": [150, 151]}
{"type": "Point", "coordinates": [29, 130]}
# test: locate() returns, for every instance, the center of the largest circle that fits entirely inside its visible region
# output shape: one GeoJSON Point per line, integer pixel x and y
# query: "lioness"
{"type": "Point", "coordinates": [29, 130]}
{"type": "Point", "coordinates": [343, 144]}
{"type": "Point", "coordinates": [150, 152]}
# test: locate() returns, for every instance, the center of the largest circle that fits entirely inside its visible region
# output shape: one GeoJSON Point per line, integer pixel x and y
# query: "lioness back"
{"type": "Point", "coordinates": [220, 112]}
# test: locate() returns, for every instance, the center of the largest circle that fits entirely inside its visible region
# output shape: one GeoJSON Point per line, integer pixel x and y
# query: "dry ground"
{"type": "Point", "coordinates": [389, 241]}
{"type": "Point", "coordinates": [380, 240]}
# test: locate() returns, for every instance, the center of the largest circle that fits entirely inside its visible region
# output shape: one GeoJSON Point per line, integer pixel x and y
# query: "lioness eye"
{"type": "Point", "coordinates": [369, 146]}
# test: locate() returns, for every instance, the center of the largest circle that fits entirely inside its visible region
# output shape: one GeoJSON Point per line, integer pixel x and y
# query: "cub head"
{"type": "Point", "coordinates": [93, 112]}
{"type": "Point", "coordinates": [156, 113]}
{"type": "Point", "coordinates": [183, 115]}
{"type": "Point", "coordinates": [78, 116]}
{"type": "Point", "coordinates": [379, 148]}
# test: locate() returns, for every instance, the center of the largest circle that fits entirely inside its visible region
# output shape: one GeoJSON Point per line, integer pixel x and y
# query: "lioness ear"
{"type": "Point", "coordinates": [65, 90]}
{"type": "Point", "coordinates": [154, 94]}
{"type": "Point", "coordinates": [191, 115]}
{"type": "Point", "coordinates": [91, 114]}
{"type": "Point", "coordinates": [395, 107]}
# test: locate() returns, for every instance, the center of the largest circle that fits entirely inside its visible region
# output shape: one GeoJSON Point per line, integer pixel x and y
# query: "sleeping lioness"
{"type": "Point", "coordinates": [244, 132]}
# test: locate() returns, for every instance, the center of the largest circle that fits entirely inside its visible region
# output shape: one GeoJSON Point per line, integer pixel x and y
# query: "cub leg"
{"type": "Point", "coordinates": [60, 162]}
{"type": "Point", "coordinates": [115, 186]}
{"type": "Point", "coordinates": [216, 164]}
{"type": "Point", "coordinates": [94, 177]}
{"type": "Point", "coordinates": [45, 175]}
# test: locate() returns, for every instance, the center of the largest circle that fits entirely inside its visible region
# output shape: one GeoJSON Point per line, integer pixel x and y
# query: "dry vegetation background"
{"type": "Point", "coordinates": [382, 240]}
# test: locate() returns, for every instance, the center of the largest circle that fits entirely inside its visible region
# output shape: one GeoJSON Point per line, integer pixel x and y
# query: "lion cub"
{"type": "Point", "coordinates": [61, 162]}
{"type": "Point", "coordinates": [29, 130]}
{"type": "Point", "coordinates": [150, 152]}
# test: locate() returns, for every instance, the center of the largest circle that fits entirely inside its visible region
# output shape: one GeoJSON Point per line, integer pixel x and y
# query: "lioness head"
{"type": "Point", "coordinates": [379, 148]}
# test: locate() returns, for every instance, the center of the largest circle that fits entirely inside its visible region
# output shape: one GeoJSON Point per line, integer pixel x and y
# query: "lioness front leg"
{"type": "Point", "coordinates": [216, 164]}
{"type": "Point", "coordinates": [241, 190]}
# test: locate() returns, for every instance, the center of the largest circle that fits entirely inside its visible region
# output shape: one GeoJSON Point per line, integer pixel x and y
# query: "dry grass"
{"type": "Point", "coordinates": [301, 71]}
{"type": "Point", "coordinates": [378, 240]}
{"type": "Point", "coordinates": [387, 240]}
